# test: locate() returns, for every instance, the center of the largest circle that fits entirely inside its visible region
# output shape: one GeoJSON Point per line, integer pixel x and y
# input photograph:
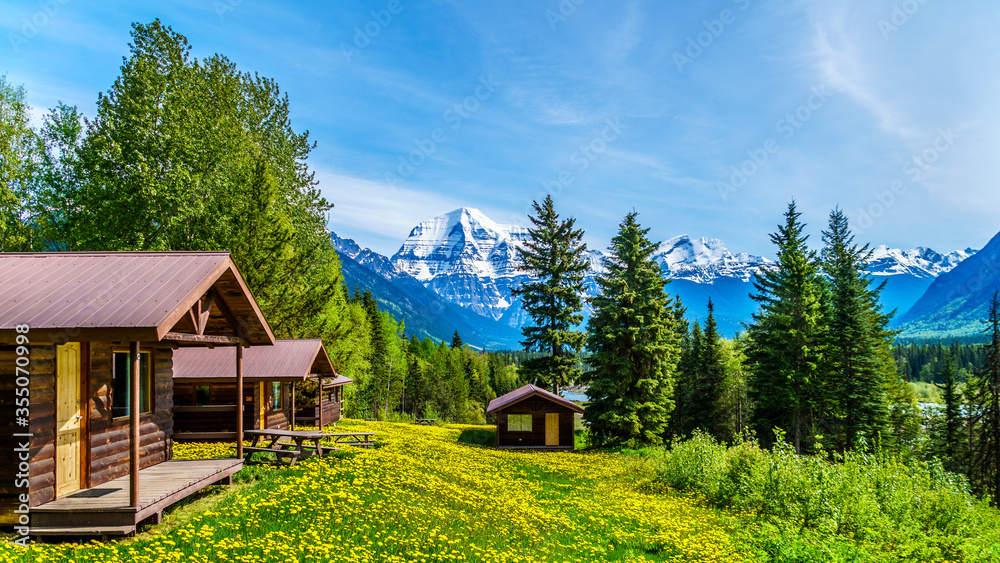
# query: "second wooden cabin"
{"type": "Point", "coordinates": [204, 389]}
{"type": "Point", "coordinates": [532, 418]}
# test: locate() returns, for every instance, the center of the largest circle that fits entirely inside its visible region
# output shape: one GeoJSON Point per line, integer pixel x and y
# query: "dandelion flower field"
{"type": "Point", "coordinates": [424, 497]}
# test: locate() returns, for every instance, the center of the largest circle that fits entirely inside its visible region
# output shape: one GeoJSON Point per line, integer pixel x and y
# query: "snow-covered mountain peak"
{"type": "Point", "coordinates": [685, 250]}
{"type": "Point", "coordinates": [920, 261]}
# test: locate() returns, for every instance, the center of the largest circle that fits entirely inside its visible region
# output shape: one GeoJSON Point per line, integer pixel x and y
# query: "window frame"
{"type": "Point", "coordinates": [516, 422]}
{"type": "Point", "coordinates": [147, 378]}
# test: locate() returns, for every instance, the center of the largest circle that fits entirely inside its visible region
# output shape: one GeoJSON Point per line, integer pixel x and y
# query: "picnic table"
{"type": "Point", "coordinates": [360, 439]}
{"type": "Point", "coordinates": [426, 421]}
{"type": "Point", "coordinates": [294, 445]}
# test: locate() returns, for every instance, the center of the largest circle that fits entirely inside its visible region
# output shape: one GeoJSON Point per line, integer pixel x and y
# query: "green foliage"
{"type": "Point", "coordinates": [20, 159]}
{"type": "Point", "coordinates": [634, 343]}
{"type": "Point", "coordinates": [984, 399]}
{"type": "Point", "coordinates": [554, 255]}
{"type": "Point", "coordinates": [864, 505]}
{"type": "Point", "coordinates": [856, 339]}
{"type": "Point", "coordinates": [785, 338]}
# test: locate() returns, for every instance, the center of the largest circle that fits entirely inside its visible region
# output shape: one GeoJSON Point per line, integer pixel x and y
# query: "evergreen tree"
{"type": "Point", "coordinates": [553, 255]}
{"type": "Point", "coordinates": [857, 333]}
{"type": "Point", "coordinates": [707, 400]}
{"type": "Point", "coordinates": [985, 423]}
{"type": "Point", "coordinates": [784, 338]}
{"type": "Point", "coordinates": [374, 395]}
{"type": "Point", "coordinates": [456, 341]}
{"type": "Point", "coordinates": [634, 343]}
{"type": "Point", "coordinates": [949, 446]}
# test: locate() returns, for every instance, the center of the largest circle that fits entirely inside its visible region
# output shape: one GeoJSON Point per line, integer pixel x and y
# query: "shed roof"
{"type": "Point", "coordinates": [287, 360]}
{"type": "Point", "coordinates": [125, 295]}
{"type": "Point", "coordinates": [522, 393]}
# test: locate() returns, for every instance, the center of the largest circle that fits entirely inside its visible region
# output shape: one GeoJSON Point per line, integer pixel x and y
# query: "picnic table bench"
{"type": "Point", "coordinates": [360, 439]}
{"type": "Point", "coordinates": [294, 445]}
{"type": "Point", "coordinates": [426, 421]}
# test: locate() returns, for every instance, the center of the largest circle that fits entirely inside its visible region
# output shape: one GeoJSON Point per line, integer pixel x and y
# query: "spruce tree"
{"type": "Point", "coordinates": [456, 341]}
{"type": "Point", "coordinates": [857, 333]}
{"type": "Point", "coordinates": [708, 397]}
{"type": "Point", "coordinates": [949, 446]}
{"type": "Point", "coordinates": [784, 338]}
{"type": "Point", "coordinates": [634, 343]}
{"type": "Point", "coordinates": [985, 399]}
{"type": "Point", "coordinates": [683, 417]}
{"type": "Point", "coordinates": [553, 255]}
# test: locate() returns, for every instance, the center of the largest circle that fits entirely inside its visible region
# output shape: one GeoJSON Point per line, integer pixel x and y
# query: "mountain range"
{"type": "Point", "coordinates": [456, 272]}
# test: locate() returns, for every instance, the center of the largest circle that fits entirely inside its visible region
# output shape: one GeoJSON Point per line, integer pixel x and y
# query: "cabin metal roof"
{"type": "Point", "coordinates": [122, 295]}
{"type": "Point", "coordinates": [522, 393]}
{"type": "Point", "coordinates": [296, 359]}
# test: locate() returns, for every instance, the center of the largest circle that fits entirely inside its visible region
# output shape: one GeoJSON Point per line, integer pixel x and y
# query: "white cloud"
{"type": "Point", "coordinates": [376, 208]}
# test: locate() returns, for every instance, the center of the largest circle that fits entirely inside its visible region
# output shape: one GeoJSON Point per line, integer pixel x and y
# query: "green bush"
{"type": "Point", "coordinates": [877, 501]}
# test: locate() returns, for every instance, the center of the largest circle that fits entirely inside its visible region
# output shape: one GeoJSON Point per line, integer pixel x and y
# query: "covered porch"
{"type": "Point", "coordinates": [107, 509]}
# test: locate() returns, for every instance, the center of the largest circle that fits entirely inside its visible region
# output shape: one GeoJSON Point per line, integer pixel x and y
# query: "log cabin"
{"type": "Point", "coordinates": [205, 388]}
{"type": "Point", "coordinates": [91, 337]}
{"type": "Point", "coordinates": [532, 418]}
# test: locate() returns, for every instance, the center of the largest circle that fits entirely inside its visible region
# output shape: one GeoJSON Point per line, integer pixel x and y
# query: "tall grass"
{"type": "Point", "coordinates": [867, 505]}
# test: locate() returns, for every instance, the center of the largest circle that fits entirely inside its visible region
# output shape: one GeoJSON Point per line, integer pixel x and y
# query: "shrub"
{"type": "Point", "coordinates": [872, 498]}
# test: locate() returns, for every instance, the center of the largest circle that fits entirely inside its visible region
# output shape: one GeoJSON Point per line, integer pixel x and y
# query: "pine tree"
{"type": "Point", "coordinates": [683, 418]}
{"type": "Point", "coordinates": [708, 397]}
{"type": "Point", "coordinates": [949, 446]}
{"type": "Point", "coordinates": [553, 255]}
{"type": "Point", "coordinates": [784, 338]}
{"type": "Point", "coordinates": [857, 333]}
{"type": "Point", "coordinates": [985, 423]}
{"type": "Point", "coordinates": [456, 341]}
{"type": "Point", "coordinates": [634, 343]}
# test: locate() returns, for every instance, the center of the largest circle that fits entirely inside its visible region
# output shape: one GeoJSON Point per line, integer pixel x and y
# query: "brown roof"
{"type": "Point", "coordinates": [123, 295]}
{"type": "Point", "coordinates": [287, 360]}
{"type": "Point", "coordinates": [522, 393]}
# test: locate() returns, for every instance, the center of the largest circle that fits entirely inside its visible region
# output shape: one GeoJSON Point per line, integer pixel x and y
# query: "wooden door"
{"type": "Point", "coordinates": [69, 417]}
{"type": "Point", "coordinates": [551, 429]}
{"type": "Point", "coordinates": [262, 392]}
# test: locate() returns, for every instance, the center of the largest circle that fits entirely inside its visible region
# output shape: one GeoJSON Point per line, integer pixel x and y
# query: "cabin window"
{"type": "Point", "coordinates": [202, 393]}
{"type": "Point", "coordinates": [519, 423]}
{"type": "Point", "coordinates": [121, 384]}
{"type": "Point", "coordinates": [276, 395]}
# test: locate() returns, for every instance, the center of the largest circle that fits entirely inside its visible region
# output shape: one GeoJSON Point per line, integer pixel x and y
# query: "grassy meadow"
{"type": "Point", "coordinates": [437, 494]}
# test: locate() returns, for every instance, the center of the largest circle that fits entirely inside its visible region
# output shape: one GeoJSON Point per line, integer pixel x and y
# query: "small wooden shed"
{"type": "Point", "coordinates": [205, 389]}
{"type": "Point", "coordinates": [86, 352]}
{"type": "Point", "coordinates": [532, 418]}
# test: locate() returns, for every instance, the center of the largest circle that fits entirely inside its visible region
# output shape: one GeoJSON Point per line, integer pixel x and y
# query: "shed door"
{"type": "Point", "coordinates": [69, 429]}
{"type": "Point", "coordinates": [551, 429]}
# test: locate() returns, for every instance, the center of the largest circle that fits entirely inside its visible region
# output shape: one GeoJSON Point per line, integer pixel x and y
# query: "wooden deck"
{"type": "Point", "coordinates": [104, 510]}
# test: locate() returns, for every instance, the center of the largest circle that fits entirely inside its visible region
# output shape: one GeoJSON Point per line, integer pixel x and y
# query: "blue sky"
{"type": "Point", "coordinates": [706, 116]}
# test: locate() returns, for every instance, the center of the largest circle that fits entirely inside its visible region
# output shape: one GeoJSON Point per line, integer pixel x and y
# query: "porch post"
{"type": "Point", "coordinates": [319, 384]}
{"type": "Point", "coordinates": [239, 401]}
{"type": "Point", "coordinates": [293, 404]}
{"type": "Point", "coordinates": [133, 461]}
